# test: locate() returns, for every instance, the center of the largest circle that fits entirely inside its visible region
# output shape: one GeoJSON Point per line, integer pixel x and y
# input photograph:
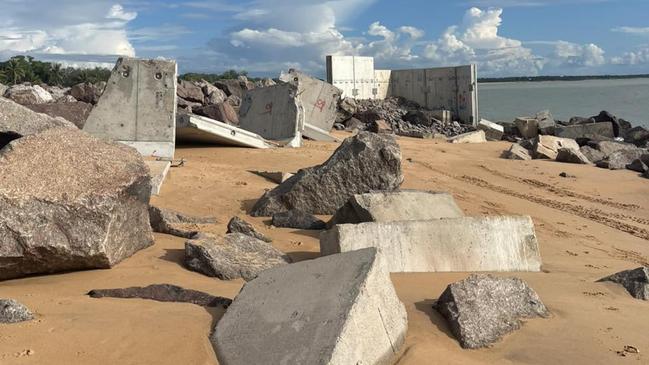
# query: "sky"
{"type": "Point", "coordinates": [264, 37]}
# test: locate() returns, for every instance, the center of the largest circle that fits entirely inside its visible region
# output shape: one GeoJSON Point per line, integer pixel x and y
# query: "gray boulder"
{"type": "Point", "coordinates": [593, 155]}
{"type": "Point", "coordinates": [639, 136]}
{"type": "Point", "coordinates": [223, 112]}
{"type": "Point", "coordinates": [76, 112]}
{"type": "Point", "coordinates": [17, 121]}
{"type": "Point", "coordinates": [3, 89]}
{"type": "Point", "coordinates": [608, 147]}
{"type": "Point", "coordinates": [546, 122]}
{"type": "Point", "coordinates": [639, 165]}
{"type": "Point", "coordinates": [232, 256]}
{"type": "Point", "coordinates": [481, 309]}
{"type": "Point", "coordinates": [618, 160]}
{"type": "Point", "coordinates": [362, 163]}
{"type": "Point", "coordinates": [174, 223]}
{"type": "Point", "coordinates": [517, 152]}
{"type": "Point", "coordinates": [238, 225]}
{"type": "Point", "coordinates": [570, 155]}
{"type": "Point", "coordinates": [12, 311]}
{"type": "Point", "coordinates": [298, 219]}
{"type": "Point", "coordinates": [190, 92]}
{"type": "Point", "coordinates": [69, 201]}
{"type": "Point", "coordinates": [163, 293]}
{"type": "Point", "coordinates": [339, 309]}
{"type": "Point", "coordinates": [87, 92]}
{"type": "Point", "coordinates": [635, 281]}
{"type": "Point", "coordinates": [29, 94]}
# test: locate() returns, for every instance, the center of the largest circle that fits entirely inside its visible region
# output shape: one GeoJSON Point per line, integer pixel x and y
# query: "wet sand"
{"type": "Point", "coordinates": [588, 227]}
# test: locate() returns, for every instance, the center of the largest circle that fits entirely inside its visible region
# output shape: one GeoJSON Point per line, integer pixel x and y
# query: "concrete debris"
{"type": "Point", "coordinates": [232, 256]}
{"type": "Point", "coordinates": [277, 177]}
{"type": "Point", "coordinates": [265, 82]}
{"type": "Point", "coordinates": [59, 214]}
{"type": "Point", "coordinates": [590, 130]}
{"type": "Point", "coordinates": [364, 162]}
{"type": "Point", "coordinates": [481, 309]}
{"type": "Point", "coordinates": [635, 281]}
{"type": "Point", "coordinates": [517, 152]}
{"type": "Point", "coordinates": [340, 309]}
{"type": "Point", "coordinates": [298, 219]}
{"type": "Point", "coordinates": [26, 94]}
{"type": "Point", "coordinates": [87, 92]}
{"type": "Point", "coordinates": [570, 155]}
{"type": "Point", "coordinates": [76, 112]}
{"type": "Point", "coordinates": [396, 206]}
{"type": "Point", "coordinates": [547, 147]}
{"type": "Point", "coordinates": [174, 223]}
{"type": "Point", "coordinates": [163, 293]}
{"type": "Point", "coordinates": [546, 123]}
{"type": "Point", "coordinates": [527, 127]}
{"type": "Point", "coordinates": [223, 112]}
{"type": "Point", "coordinates": [469, 137]}
{"type": "Point", "coordinates": [639, 136]}
{"type": "Point", "coordinates": [12, 311]}
{"type": "Point", "coordinates": [493, 131]}
{"type": "Point", "coordinates": [618, 160]}
{"type": "Point", "coordinates": [346, 109]}
{"type": "Point", "coordinates": [186, 106]}
{"type": "Point", "coordinates": [17, 121]}
{"type": "Point", "coordinates": [196, 129]}
{"type": "Point", "coordinates": [211, 93]}
{"type": "Point", "coordinates": [190, 92]}
{"type": "Point", "coordinates": [379, 126]}
{"type": "Point", "coordinates": [158, 171]}
{"type": "Point", "coordinates": [593, 155]}
{"type": "Point", "coordinates": [502, 243]}
{"type": "Point", "coordinates": [238, 225]}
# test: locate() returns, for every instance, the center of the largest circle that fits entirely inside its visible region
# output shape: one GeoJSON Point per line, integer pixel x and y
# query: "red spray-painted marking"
{"type": "Point", "coordinates": [320, 104]}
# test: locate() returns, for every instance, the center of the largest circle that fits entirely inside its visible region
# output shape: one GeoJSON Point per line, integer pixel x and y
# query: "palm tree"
{"type": "Point", "coordinates": [55, 74]}
{"type": "Point", "coordinates": [15, 71]}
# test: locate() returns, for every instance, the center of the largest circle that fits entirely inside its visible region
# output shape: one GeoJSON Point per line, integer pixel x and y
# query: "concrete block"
{"type": "Point", "coordinates": [138, 107]}
{"type": "Point", "coordinates": [502, 243]}
{"type": "Point", "coordinates": [604, 129]}
{"type": "Point", "coordinates": [517, 152]}
{"type": "Point", "coordinates": [469, 137]}
{"type": "Point", "coordinates": [527, 127]}
{"type": "Point", "coordinates": [275, 113]}
{"type": "Point", "coordinates": [445, 116]}
{"type": "Point", "coordinates": [547, 147]}
{"type": "Point", "coordinates": [493, 131]}
{"type": "Point", "coordinates": [196, 129]}
{"type": "Point", "coordinates": [402, 205]}
{"type": "Point", "coordinates": [546, 122]}
{"type": "Point", "coordinates": [340, 309]}
{"type": "Point", "coordinates": [158, 171]}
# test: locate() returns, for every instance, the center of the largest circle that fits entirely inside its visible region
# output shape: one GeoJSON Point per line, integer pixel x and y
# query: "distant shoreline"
{"type": "Point", "coordinates": [485, 80]}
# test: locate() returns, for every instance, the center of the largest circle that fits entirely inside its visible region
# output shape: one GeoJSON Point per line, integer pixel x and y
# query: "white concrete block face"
{"type": "Point", "coordinates": [274, 113]}
{"type": "Point", "coordinates": [158, 171]}
{"type": "Point", "coordinates": [504, 243]}
{"type": "Point", "coordinates": [340, 309]}
{"type": "Point", "coordinates": [198, 129]}
{"type": "Point", "coordinates": [138, 107]}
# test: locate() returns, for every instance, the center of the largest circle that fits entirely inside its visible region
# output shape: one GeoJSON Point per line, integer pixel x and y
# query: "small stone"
{"type": "Point", "coordinates": [238, 225]}
{"type": "Point", "coordinates": [168, 221]}
{"type": "Point", "coordinates": [163, 293]}
{"type": "Point", "coordinates": [12, 311]}
{"type": "Point", "coordinates": [635, 281]}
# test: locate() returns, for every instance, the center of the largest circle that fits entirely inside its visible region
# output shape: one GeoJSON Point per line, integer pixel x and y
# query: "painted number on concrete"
{"type": "Point", "coordinates": [320, 104]}
{"type": "Point", "coordinates": [269, 108]}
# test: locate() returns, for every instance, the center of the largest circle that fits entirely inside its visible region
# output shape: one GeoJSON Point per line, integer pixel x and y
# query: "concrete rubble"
{"type": "Point", "coordinates": [635, 281]}
{"type": "Point", "coordinates": [26, 94]}
{"type": "Point", "coordinates": [500, 243]}
{"type": "Point", "coordinates": [517, 152]}
{"type": "Point", "coordinates": [571, 155]}
{"type": "Point", "coordinates": [238, 225]}
{"type": "Point", "coordinates": [469, 137]}
{"type": "Point", "coordinates": [493, 131]}
{"type": "Point", "coordinates": [527, 127]}
{"type": "Point", "coordinates": [59, 215]}
{"type": "Point", "coordinates": [12, 311]}
{"type": "Point", "coordinates": [365, 162]}
{"type": "Point", "coordinates": [232, 256]}
{"type": "Point", "coordinates": [163, 293]}
{"type": "Point", "coordinates": [87, 92]}
{"type": "Point", "coordinates": [158, 170]}
{"type": "Point", "coordinates": [547, 147]}
{"type": "Point", "coordinates": [396, 206]}
{"type": "Point", "coordinates": [481, 309]}
{"type": "Point", "coordinates": [196, 129]}
{"type": "Point", "coordinates": [619, 160]}
{"type": "Point", "coordinates": [298, 219]}
{"type": "Point", "coordinates": [277, 177]}
{"type": "Point", "coordinates": [175, 223]}
{"type": "Point", "coordinates": [339, 309]}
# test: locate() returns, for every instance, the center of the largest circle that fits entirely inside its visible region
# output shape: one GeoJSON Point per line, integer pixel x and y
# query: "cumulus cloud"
{"type": "Point", "coordinates": [588, 55]}
{"type": "Point", "coordinates": [638, 57]}
{"type": "Point", "coordinates": [632, 30]}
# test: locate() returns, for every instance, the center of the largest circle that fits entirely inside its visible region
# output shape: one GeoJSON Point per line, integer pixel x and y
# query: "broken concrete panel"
{"type": "Point", "coordinates": [469, 137]}
{"type": "Point", "coordinates": [319, 100]}
{"type": "Point", "coordinates": [385, 206]}
{"type": "Point", "coordinates": [570, 155]}
{"type": "Point", "coordinates": [138, 107]}
{"type": "Point", "coordinates": [635, 281]}
{"type": "Point", "coordinates": [196, 129]}
{"type": "Point", "coordinates": [604, 129]}
{"type": "Point", "coordinates": [517, 152]}
{"type": "Point", "coordinates": [481, 309]}
{"type": "Point", "coordinates": [158, 171]}
{"type": "Point", "coordinates": [527, 127]}
{"type": "Point", "coordinates": [545, 122]}
{"type": "Point", "coordinates": [503, 243]}
{"type": "Point", "coordinates": [275, 113]}
{"type": "Point", "coordinates": [493, 131]}
{"type": "Point", "coordinates": [548, 146]}
{"type": "Point", "coordinates": [340, 309]}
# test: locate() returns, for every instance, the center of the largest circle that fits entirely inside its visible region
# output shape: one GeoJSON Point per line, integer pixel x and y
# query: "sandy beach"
{"type": "Point", "coordinates": [588, 227]}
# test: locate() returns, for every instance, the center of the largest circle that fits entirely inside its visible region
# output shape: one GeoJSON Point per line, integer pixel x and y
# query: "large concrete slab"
{"type": "Point", "coordinates": [503, 243]}
{"type": "Point", "coordinates": [604, 129]}
{"type": "Point", "coordinates": [138, 107]}
{"type": "Point", "coordinates": [340, 309]}
{"type": "Point", "coordinates": [397, 206]}
{"type": "Point", "coordinates": [275, 113]}
{"type": "Point", "coordinates": [191, 128]}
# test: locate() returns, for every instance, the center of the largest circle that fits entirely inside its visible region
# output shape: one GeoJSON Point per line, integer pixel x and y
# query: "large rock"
{"type": "Point", "coordinates": [493, 131]}
{"type": "Point", "coordinates": [517, 152]}
{"type": "Point", "coordinates": [298, 219]}
{"type": "Point", "coordinates": [213, 95]}
{"type": "Point", "coordinates": [590, 130]}
{"type": "Point", "coordinates": [362, 163]}
{"type": "Point", "coordinates": [17, 121]}
{"type": "Point", "coordinates": [69, 201]}
{"type": "Point", "coordinates": [76, 112]}
{"type": "Point", "coordinates": [546, 123]}
{"type": "Point", "coordinates": [396, 206]}
{"type": "Point", "coordinates": [223, 112]}
{"type": "Point", "coordinates": [639, 165]}
{"type": "Point", "coordinates": [163, 293]}
{"type": "Point", "coordinates": [87, 92]}
{"type": "Point", "coordinates": [238, 225]}
{"type": "Point", "coordinates": [234, 87]}
{"type": "Point", "coordinates": [29, 94]}
{"type": "Point", "coordinates": [232, 256]}
{"type": "Point", "coordinates": [620, 126]}
{"type": "Point", "coordinates": [618, 160]}
{"type": "Point", "coordinates": [527, 127]}
{"type": "Point", "coordinates": [608, 147]}
{"type": "Point", "coordinates": [340, 309]}
{"type": "Point", "coordinates": [482, 308]}
{"type": "Point", "coordinates": [593, 155]}
{"type": "Point", "coordinates": [547, 147]}
{"type": "Point", "coordinates": [12, 311]}
{"type": "Point", "coordinates": [190, 92]}
{"type": "Point", "coordinates": [501, 243]}
{"type": "Point", "coordinates": [570, 155]}
{"type": "Point", "coordinates": [175, 223]}
{"type": "Point", "coordinates": [639, 136]}
{"type": "Point", "coordinates": [3, 89]}
{"type": "Point", "coordinates": [635, 281]}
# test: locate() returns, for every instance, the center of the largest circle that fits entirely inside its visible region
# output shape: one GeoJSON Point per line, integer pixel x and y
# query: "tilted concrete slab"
{"type": "Point", "coordinates": [138, 107]}
{"type": "Point", "coordinates": [197, 129]}
{"type": "Point", "coordinates": [274, 113]}
{"type": "Point", "coordinates": [503, 243]}
{"type": "Point", "coordinates": [158, 171]}
{"type": "Point", "coordinates": [340, 309]}
{"type": "Point", "coordinates": [396, 206]}
{"type": "Point", "coordinates": [604, 129]}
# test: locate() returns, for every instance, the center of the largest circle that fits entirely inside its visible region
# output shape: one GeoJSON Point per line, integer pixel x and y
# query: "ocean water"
{"type": "Point", "coordinates": [628, 99]}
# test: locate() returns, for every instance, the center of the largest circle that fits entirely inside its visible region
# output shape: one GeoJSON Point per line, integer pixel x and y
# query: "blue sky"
{"type": "Point", "coordinates": [504, 37]}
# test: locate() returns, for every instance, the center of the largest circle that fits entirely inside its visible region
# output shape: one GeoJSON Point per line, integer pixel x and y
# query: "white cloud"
{"type": "Point", "coordinates": [638, 57]}
{"type": "Point", "coordinates": [117, 12]}
{"type": "Point", "coordinates": [588, 55]}
{"type": "Point", "coordinates": [632, 30]}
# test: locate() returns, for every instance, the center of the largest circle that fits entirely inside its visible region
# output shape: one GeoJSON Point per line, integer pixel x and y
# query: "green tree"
{"type": "Point", "coordinates": [55, 74]}
{"type": "Point", "coordinates": [15, 71]}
